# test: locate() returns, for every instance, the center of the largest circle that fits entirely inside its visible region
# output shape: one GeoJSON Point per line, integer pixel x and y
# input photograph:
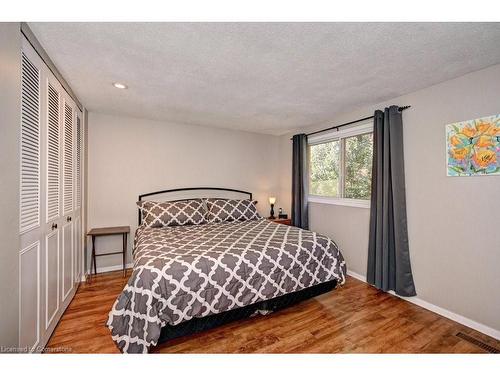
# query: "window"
{"type": "Point", "coordinates": [340, 166]}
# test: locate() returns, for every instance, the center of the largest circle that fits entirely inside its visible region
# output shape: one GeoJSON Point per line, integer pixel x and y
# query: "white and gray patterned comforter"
{"type": "Point", "coordinates": [193, 271]}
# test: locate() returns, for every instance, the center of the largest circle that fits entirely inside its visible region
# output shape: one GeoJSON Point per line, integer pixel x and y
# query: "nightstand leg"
{"type": "Point", "coordinates": [93, 260]}
{"type": "Point", "coordinates": [124, 252]}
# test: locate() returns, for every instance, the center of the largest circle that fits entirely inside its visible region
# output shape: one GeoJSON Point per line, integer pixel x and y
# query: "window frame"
{"type": "Point", "coordinates": [339, 135]}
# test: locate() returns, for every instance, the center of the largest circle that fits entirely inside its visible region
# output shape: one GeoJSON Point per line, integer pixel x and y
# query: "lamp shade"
{"type": "Point", "coordinates": [272, 200]}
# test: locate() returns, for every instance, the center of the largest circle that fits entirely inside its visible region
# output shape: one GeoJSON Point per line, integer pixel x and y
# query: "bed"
{"type": "Point", "coordinates": [187, 278]}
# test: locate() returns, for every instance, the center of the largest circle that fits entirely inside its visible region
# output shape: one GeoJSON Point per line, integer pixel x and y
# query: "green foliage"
{"type": "Point", "coordinates": [324, 169]}
{"type": "Point", "coordinates": [358, 166]}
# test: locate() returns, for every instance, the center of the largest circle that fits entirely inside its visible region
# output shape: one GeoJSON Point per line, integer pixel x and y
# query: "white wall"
{"type": "Point", "coordinates": [454, 222]}
{"type": "Point", "coordinates": [10, 118]}
{"type": "Point", "coordinates": [127, 157]}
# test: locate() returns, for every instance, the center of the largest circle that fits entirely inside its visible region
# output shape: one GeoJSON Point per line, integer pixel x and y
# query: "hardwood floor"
{"type": "Point", "coordinates": [356, 318]}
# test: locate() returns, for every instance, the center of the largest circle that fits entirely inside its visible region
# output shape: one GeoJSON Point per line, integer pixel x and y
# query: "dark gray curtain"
{"type": "Point", "coordinates": [300, 216]}
{"type": "Point", "coordinates": [389, 266]}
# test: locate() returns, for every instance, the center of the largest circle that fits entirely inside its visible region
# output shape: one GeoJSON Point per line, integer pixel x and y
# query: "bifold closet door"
{"type": "Point", "coordinates": [68, 235]}
{"type": "Point", "coordinates": [50, 201]}
{"type": "Point", "coordinates": [31, 190]}
{"type": "Point", "coordinates": [60, 235]}
{"type": "Point", "coordinates": [53, 200]}
{"type": "Point", "coordinates": [78, 259]}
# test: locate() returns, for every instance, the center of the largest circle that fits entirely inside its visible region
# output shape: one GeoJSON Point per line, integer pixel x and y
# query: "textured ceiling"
{"type": "Point", "coordinates": [261, 77]}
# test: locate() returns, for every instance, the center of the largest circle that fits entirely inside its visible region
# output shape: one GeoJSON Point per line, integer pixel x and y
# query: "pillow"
{"type": "Point", "coordinates": [164, 214]}
{"type": "Point", "coordinates": [231, 210]}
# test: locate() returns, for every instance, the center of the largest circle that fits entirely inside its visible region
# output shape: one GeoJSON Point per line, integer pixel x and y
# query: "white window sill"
{"type": "Point", "coordinates": [360, 203]}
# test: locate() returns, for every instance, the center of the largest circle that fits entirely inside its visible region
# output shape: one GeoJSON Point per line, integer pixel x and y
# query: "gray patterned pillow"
{"type": "Point", "coordinates": [231, 210]}
{"type": "Point", "coordinates": [163, 214]}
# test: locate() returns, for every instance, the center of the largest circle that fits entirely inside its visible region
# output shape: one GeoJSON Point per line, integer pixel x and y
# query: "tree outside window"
{"type": "Point", "coordinates": [341, 168]}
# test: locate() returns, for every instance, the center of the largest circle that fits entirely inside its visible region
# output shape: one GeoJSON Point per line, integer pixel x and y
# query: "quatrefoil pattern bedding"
{"type": "Point", "coordinates": [231, 210]}
{"type": "Point", "coordinates": [186, 272]}
{"type": "Point", "coordinates": [164, 214]}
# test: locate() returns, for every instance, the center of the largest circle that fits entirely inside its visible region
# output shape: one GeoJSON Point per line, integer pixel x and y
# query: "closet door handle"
{"type": "Point", "coordinates": [54, 226]}
{"type": "Point", "coordinates": [68, 219]}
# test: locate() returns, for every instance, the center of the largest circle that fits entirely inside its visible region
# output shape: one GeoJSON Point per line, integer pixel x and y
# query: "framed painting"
{"type": "Point", "coordinates": [473, 147]}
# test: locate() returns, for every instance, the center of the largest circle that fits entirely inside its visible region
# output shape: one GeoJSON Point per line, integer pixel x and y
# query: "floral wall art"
{"type": "Point", "coordinates": [473, 147]}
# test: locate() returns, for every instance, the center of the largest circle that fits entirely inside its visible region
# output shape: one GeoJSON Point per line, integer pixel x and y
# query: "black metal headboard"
{"type": "Point", "coordinates": [189, 189]}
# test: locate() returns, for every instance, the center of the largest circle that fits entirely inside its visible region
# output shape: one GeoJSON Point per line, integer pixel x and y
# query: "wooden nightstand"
{"type": "Point", "coordinates": [282, 221]}
{"type": "Point", "coordinates": [109, 231]}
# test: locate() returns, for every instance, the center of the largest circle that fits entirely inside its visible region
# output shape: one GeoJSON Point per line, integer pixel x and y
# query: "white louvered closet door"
{"type": "Point", "coordinates": [68, 235]}
{"type": "Point", "coordinates": [31, 205]}
{"type": "Point", "coordinates": [50, 200]}
{"type": "Point", "coordinates": [53, 200]}
{"type": "Point", "coordinates": [59, 284]}
{"type": "Point", "coordinates": [78, 244]}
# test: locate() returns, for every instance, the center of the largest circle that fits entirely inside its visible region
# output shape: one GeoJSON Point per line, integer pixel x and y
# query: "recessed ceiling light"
{"type": "Point", "coordinates": [119, 85]}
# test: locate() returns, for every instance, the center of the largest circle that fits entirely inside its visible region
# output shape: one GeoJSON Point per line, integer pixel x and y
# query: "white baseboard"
{"type": "Point", "coordinates": [117, 267]}
{"type": "Point", "coordinates": [356, 276]}
{"type": "Point", "coordinates": [441, 311]}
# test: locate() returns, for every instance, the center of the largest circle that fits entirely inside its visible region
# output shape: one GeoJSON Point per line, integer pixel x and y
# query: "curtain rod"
{"type": "Point", "coordinates": [352, 122]}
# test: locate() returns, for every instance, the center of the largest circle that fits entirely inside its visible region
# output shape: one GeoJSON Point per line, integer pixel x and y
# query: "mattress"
{"type": "Point", "coordinates": [188, 272]}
